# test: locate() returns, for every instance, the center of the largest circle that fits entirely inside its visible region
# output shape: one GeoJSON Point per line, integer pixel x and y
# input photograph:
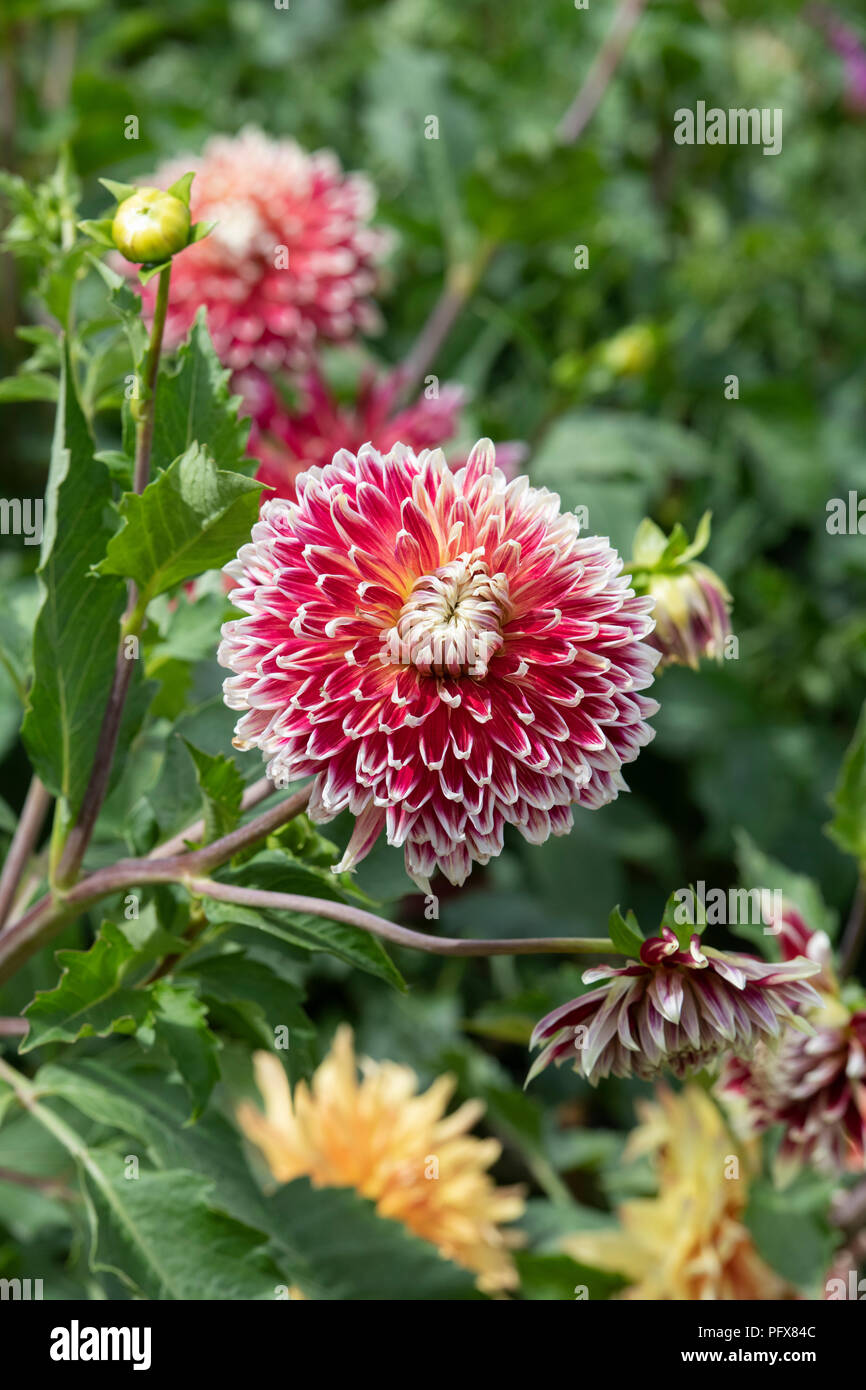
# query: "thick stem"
{"type": "Point", "coordinates": [211, 856]}
{"type": "Point", "coordinates": [47, 918]}
{"type": "Point", "coordinates": [253, 796]}
{"type": "Point", "coordinates": [13, 1027]}
{"type": "Point", "coordinates": [75, 848]}
{"type": "Point", "coordinates": [33, 813]}
{"type": "Point", "coordinates": [598, 79]}
{"type": "Point", "coordinates": [396, 935]}
{"type": "Point", "coordinates": [147, 384]}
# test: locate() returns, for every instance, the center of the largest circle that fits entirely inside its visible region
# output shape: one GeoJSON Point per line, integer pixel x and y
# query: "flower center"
{"type": "Point", "coordinates": [451, 623]}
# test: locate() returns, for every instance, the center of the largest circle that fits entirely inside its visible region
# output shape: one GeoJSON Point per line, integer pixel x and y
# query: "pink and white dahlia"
{"type": "Point", "coordinates": [676, 1009]}
{"type": "Point", "coordinates": [291, 259]}
{"type": "Point", "coordinates": [288, 442]}
{"type": "Point", "coordinates": [815, 1086]}
{"type": "Point", "coordinates": [441, 651]}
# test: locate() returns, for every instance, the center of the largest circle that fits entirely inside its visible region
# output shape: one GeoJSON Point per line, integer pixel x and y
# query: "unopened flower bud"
{"type": "Point", "coordinates": [692, 615]}
{"type": "Point", "coordinates": [151, 226]}
{"type": "Point", "coordinates": [631, 352]}
{"type": "Point", "coordinates": [691, 605]}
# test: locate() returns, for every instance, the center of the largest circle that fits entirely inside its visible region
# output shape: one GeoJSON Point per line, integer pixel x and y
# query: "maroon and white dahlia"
{"type": "Point", "coordinates": [674, 1009]}
{"type": "Point", "coordinates": [441, 651]}
{"type": "Point", "coordinates": [291, 260]}
{"type": "Point", "coordinates": [815, 1086]}
{"type": "Point", "coordinates": [289, 441]}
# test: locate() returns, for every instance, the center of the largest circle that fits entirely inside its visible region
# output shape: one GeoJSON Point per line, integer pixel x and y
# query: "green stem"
{"type": "Point", "coordinates": [70, 857]}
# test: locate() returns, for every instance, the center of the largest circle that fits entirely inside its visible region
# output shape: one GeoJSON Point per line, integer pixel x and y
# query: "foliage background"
{"type": "Point", "coordinates": [735, 262]}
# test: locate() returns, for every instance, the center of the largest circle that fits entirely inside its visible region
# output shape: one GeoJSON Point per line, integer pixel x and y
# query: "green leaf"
{"type": "Point", "coordinates": [277, 873]}
{"type": "Point", "coordinates": [99, 230]}
{"type": "Point", "coordinates": [329, 1240]}
{"type": "Point", "coordinates": [77, 631]}
{"type": "Point", "coordinates": [258, 989]}
{"type": "Point", "coordinates": [222, 788]}
{"type": "Point", "coordinates": [15, 651]}
{"type": "Point", "coordinates": [95, 996]}
{"type": "Point", "coordinates": [181, 189]}
{"type": "Point", "coordinates": [791, 1229]}
{"type": "Point", "coordinates": [625, 933]}
{"type": "Point", "coordinates": [126, 304]}
{"type": "Point", "coordinates": [848, 826]}
{"type": "Point", "coordinates": [160, 1235]}
{"type": "Point", "coordinates": [29, 386]}
{"type": "Point", "coordinates": [147, 1106]}
{"type": "Point", "coordinates": [196, 406]}
{"type": "Point", "coordinates": [119, 191]}
{"type": "Point", "coordinates": [180, 1021]}
{"type": "Point", "coordinates": [341, 1248]}
{"type": "Point", "coordinates": [556, 1278]}
{"type": "Point", "coordinates": [192, 518]}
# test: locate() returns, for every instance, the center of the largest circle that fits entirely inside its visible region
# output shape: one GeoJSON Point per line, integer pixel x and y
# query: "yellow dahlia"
{"type": "Point", "coordinates": [394, 1146]}
{"type": "Point", "coordinates": [687, 1243]}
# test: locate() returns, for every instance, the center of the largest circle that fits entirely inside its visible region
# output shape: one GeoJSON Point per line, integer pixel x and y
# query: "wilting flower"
{"type": "Point", "coordinates": [691, 605]}
{"type": "Point", "coordinates": [442, 651]}
{"type": "Point", "coordinates": [290, 441]}
{"type": "Point", "coordinates": [395, 1146]}
{"type": "Point", "coordinates": [291, 259]}
{"type": "Point", "coordinates": [688, 1243]}
{"type": "Point", "coordinates": [814, 1086]}
{"type": "Point", "coordinates": [677, 1009]}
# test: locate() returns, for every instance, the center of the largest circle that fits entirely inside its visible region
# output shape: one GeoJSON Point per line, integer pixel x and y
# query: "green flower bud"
{"type": "Point", "coordinates": [150, 226]}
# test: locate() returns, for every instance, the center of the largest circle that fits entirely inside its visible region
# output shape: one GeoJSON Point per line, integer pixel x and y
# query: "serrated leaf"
{"type": "Point", "coordinates": [338, 1244]}
{"type": "Point", "coordinates": [848, 826]}
{"type": "Point", "coordinates": [76, 636]}
{"type": "Point", "coordinates": [180, 1022]}
{"type": "Point", "coordinates": [222, 788]}
{"type": "Point", "coordinates": [192, 518]}
{"type": "Point", "coordinates": [160, 1235]}
{"type": "Point", "coordinates": [235, 978]}
{"type": "Point", "coordinates": [95, 996]}
{"type": "Point", "coordinates": [329, 1240]}
{"type": "Point", "coordinates": [278, 873]}
{"type": "Point", "coordinates": [195, 405]}
{"type": "Point", "coordinates": [126, 304]}
{"type": "Point", "coordinates": [625, 933]}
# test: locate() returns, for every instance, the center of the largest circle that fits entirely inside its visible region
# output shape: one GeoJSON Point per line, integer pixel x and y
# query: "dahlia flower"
{"type": "Point", "coordinates": [291, 259]}
{"type": "Point", "coordinates": [674, 1008]}
{"type": "Point", "coordinates": [814, 1086]}
{"type": "Point", "coordinates": [691, 605]}
{"type": "Point", "coordinates": [687, 1243]}
{"type": "Point", "coordinates": [290, 442]}
{"type": "Point", "coordinates": [395, 1146]}
{"type": "Point", "coordinates": [441, 651]}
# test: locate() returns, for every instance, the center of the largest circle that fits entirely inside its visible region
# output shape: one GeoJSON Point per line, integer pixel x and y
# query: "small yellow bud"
{"type": "Point", "coordinates": [150, 226]}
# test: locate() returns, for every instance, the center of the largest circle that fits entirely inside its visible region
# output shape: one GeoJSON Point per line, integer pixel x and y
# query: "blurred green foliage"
{"type": "Point", "coordinates": [726, 263]}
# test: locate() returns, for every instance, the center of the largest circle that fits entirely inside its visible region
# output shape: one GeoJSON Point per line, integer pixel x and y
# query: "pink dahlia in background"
{"type": "Point", "coordinates": [850, 49]}
{"type": "Point", "coordinates": [441, 651]}
{"type": "Point", "coordinates": [288, 442]}
{"type": "Point", "coordinates": [814, 1086]}
{"type": "Point", "coordinates": [291, 259]}
{"type": "Point", "coordinates": [674, 1008]}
